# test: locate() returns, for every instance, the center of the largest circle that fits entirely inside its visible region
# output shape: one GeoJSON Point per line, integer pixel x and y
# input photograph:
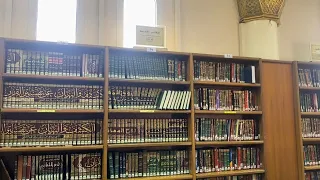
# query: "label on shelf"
{"type": "Point", "coordinates": [147, 111]}
{"type": "Point", "coordinates": [228, 56]}
{"type": "Point", "coordinates": [230, 112]}
{"type": "Point", "coordinates": [46, 110]}
{"type": "Point", "coordinates": [151, 49]}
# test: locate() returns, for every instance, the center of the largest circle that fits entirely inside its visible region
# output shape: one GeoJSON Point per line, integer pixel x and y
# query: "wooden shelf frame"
{"type": "Point", "coordinates": [298, 117]}
{"type": "Point", "coordinates": [190, 83]}
{"type": "Point", "coordinates": [230, 173]}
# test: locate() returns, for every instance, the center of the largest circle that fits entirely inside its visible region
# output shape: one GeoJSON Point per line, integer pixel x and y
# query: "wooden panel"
{"type": "Point", "coordinates": [280, 153]}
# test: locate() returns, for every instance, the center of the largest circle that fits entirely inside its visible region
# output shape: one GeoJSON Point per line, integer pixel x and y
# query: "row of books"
{"type": "Point", "coordinates": [309, 102]}
{"type": "Point", "coordinates": [230, 100]}
{"type": "Point", "coordinates": [309, 77]}
{"type": "Point", "coordinates": [228, 159]}
{"type": "Point", "coordinates": [146, 66]}
{"type": "Point", "coordinates": [125, 97]}
{"type": "Point", "coordinates": [147, 163]}
{"type": "Point", "coordinates": [312, 175]}
{"type": "Point", "coordinates": [147, 130]}
{"type": "Point", "coordinates": [224, 72]}
{"type": "Point", "coordinates": [311, 155]}
{"type": "Point", "coordinates": [20, 61]}
{"type": "Point", "coordinates": [21, 133]}
{"type": "Point", "coordinates": [52, 96]}
{"type": "Point", "coordinates": [209, 129]}
{"type": "Point", "coordinates": [58, 166]}
{"type": "Point", "coordinates": [245, 177]}
{"type": "Point", "coordinates": [310, 127]}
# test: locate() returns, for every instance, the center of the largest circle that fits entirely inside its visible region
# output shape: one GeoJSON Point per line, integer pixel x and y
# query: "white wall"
{"type": "Point", "coordinates": [300, 25]}
{"type": "Point", "coordinates": [210, 26]}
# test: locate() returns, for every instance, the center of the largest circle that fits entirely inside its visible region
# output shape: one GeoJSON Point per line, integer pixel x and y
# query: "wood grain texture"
{"type": "Point", "coordinates": [280, 153]}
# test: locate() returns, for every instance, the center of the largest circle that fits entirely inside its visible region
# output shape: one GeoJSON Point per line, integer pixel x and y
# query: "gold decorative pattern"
{"type": "Point", "coordinates": [250, 10]}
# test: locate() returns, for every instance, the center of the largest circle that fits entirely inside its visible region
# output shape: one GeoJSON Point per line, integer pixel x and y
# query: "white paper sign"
{"type": "Point", "coordinates": [315, 51]}
{"type": "Point", "coordinates": [150, 36]}
{"type": "Point", "coordinates": [150, 49]}
{"type": "Point", "coordinates": [228, 56]}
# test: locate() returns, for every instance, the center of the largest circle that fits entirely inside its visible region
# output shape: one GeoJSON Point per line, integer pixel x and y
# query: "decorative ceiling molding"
{"type": "Point", "coordinates": [250, 10]}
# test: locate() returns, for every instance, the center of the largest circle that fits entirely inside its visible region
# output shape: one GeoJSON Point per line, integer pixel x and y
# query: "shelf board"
{"type": "Point", "coordinates": [309, 88]}
{"type": "Point", "coordinates": [149, 111]}
{"type": "Point", "coordinates": [47, 77]}
{"type": "Point", "coordinates": [175, 177]}
{"type": "Point", "coordinates": [149, 81]}
{"type": "Point", "coordinates": [25, 110]}
{"type": "Point", "coordinates": [311, 168]}
{"type": "Point", "coordinates": [220, 143]}
{"type": "Point", "coordinates": [52, 148]}
{"type": "Point", "coordinates": [222, 57]}
{"type": "Point", "coordinates": [197, 82]}
{"type": "Point", "coordinates": [230, 173]}
{"type": "Point", "coordinates": [228, 112]}
{"type": "Point", "coordinates": [145, 145]}
{"type": "Point", "coordinates": [310, 113]}
{"type": "Point", "coordinates": [311, 140]}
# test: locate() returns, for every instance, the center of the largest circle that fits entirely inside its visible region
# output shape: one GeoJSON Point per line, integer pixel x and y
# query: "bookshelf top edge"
{"type": "Point", "coordinates": [235, 58]}
{"type": "Point", "coordinates": [145, 51]}
{"type": "Point", "coordinates": [37, 42]}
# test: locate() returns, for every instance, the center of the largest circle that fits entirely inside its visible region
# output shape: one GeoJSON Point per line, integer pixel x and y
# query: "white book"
{"type": "Point", "coordinates": [163, 98]}
{"type": "Point", "coordinates": [167, 100]}
{"type": "Point", "coordinates": [174, 100]}
{"type": "Point", "coordinates": [187, 101]}
{"type": "Point", "coordinates": [178, 100]}
{"type": "Point", "coordinates": [184, 94]}
{"type": "Point", "coordinates": [253, 74]}
{"type": "Point", "coordinates": [171, 100]}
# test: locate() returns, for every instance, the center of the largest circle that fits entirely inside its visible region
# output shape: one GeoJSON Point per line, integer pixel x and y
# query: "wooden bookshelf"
{"type": "Point", "coordinates": [299, 115]}
{"type": "Point", "coordinates": [125, 111]}
{"type": "Point", "coordinates": [189, 84]}
{"type": "Point", "coordinates": [227, 84]}
{"type": "Point", "coordinates": [227, 143]}
{"type": "Point", "coordinates": [229, 112]}
{"type": "Point", "coordinates": [178, 177]}
{"type": "Point", "coordinates": [69, 111]}
{"type": "Point", "coordinates": [230, 173]}
{"type": "Point", "coordinates": [43, 77]}
{"type": "Point", "coordinates": [311, 168]}
{"type": "Point", "coordinates": [148, 145]}
{"type": "Point", "coordinates": [149, 81]}
{"type": "Point", "coordinates": [51, 149]}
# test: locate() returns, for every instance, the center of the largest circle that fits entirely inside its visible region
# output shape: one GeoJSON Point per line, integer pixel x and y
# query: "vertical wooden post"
{"type": "Point", "coordinates": [2, 64]}
{"type": "Point", "coordinates": [105, 117]}
{"type": "Point", "coordinates": [192, 156]}
{"type": "Point", "coordinates": [297, 117]}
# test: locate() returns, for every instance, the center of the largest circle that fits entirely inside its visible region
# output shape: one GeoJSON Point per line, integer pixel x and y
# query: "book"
{"type": "Point", "coordinates": [312, 175]}
{"type": "Point", "coordinates": [52, 96]}
{"type": "Point", "coordinates": [147, 130]}
{"type": "Point", "coordinates": [311, 155]}
{"type": "Point", "coordinates": [209, 129]}
{"type": "Point", "coordinates": [58, 166]}
{"type": "Point", "coordinates": [27, 133]}
{"type": "Point", "coordinates": [225, 100]}
{"type": "Point", "coordinates": [244, 177]}
{"type": "Point", "coordinates": [52, 63]}
{"type": "Point", "coordinates": [224, 72]}
{"type": "Point", "coordinates": [309, 102]}
{"type": "Point", "coordinates": [228, 159]}
{"type": "Point", "coordinates": [309, 77]}
{"type": "Point", "coordinates": [129, 65]}
{"type": "Point", "coordinates": [310, 127]}
{"type": "Point", "coordinates": [132, 97]}
{"type": "Point", "coordinates": [147, 163]}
